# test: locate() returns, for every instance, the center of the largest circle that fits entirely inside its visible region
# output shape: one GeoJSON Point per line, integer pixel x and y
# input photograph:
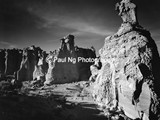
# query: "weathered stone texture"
{"type": "Point", "coordinates": [130, 74]}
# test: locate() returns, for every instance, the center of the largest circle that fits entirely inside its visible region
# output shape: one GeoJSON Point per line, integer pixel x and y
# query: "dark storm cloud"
{"type": "Point", "coordinates": [44, 22]}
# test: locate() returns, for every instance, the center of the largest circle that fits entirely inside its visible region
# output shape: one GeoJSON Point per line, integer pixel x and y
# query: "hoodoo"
{"type": "Point", "coordinates": [129, 79]}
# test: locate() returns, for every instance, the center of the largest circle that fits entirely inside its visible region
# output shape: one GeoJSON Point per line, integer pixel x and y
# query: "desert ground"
{"type": "Point", "coordinates": [56, 102]}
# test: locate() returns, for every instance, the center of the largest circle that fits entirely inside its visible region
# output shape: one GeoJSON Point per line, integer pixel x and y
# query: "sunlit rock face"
{"type": "Point", "coordinates": [130, 75]}
{"type": "Point", "coordinates": [51, 65]}
{"type": "Point", "coordinates": [41, 67]}
{"type": "Point", "coordinates": [70, 63]}
{"type": "Point", "coordinates": [95, 68]}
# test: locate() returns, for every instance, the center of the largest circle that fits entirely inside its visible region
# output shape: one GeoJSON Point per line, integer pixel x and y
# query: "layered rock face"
{"type": "Point", "coordinates": [69, 63]}
{"type": "Point", "coordinates": [129, 79]}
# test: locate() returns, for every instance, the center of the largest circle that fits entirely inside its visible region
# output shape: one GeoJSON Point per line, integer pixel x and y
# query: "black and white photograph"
{"type": "Point", "coordinates": [79, 60]}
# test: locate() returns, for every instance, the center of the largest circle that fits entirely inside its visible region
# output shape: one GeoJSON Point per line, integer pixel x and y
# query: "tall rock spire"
{"type": "Point", "coordinates": [127, 11]}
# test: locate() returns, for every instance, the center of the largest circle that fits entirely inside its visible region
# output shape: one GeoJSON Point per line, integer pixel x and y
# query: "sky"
{"type": "Point", "coordinates": [44, 22]}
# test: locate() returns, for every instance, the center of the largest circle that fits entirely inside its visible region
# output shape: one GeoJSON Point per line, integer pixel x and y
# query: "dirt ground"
{"type": "Point", "coordinates": [56, 102]}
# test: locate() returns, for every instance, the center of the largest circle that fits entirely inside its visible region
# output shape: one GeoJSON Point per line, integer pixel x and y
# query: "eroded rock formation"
{"type": "Point", "coordinates": [13, 60]}
{"type": "Point", "coordinates": [41, 67]}
{"type": "Point", "coordinates": [70, 63]}
{"type": "Point", "coordinates": [51, 65]}
{"type": "Point", "coordinates": [67, 64]}
{"type": "Point", "coordinates": [10, 60]}
{"type": "Point", "coordinates": [30, 59]}
{"type": "Point", "coordinates": [129, 79]}
{"type": "Point", "coordinates": [95, 69]}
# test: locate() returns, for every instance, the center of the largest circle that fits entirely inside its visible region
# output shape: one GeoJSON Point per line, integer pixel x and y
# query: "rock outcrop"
{"type": "Point", "coordinates": [13, 58]}
{"type": "Point", "coordinates": [41, 68]}
{"type": "Point", "coordinates": [95, 69]}
{"type": "Point", "coordinates": [10, 60]}
{"type": "Point", "coordinates": [30, 59]}
{"type": "Point", "coordinates": [51, 65]}
{"type": "Point", "coordinates": [67, 64]}
{"type": "Point", "coordinates": [129, 79]}
{"type": "Point", "coordinates": [70, 63]}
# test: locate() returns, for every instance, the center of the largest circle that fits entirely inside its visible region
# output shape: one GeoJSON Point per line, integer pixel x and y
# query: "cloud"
{"type": "Point", "coordinates": [7, 44]}
{"type": "Point", "coordinates": [86, 27]}
{"type": "Point", "coordinates": [78, 26]}
{"type": "Point", "coordinates": [66, 18]}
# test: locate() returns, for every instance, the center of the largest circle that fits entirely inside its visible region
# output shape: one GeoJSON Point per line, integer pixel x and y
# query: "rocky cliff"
{"type": "Point", "coordinates": [129, 79]}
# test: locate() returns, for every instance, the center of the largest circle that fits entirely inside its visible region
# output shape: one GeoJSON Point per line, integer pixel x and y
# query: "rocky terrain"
{"type": "Point", "coordinates": [124, 82]}
{"type": "Point", "coordinates": [55, 102]}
